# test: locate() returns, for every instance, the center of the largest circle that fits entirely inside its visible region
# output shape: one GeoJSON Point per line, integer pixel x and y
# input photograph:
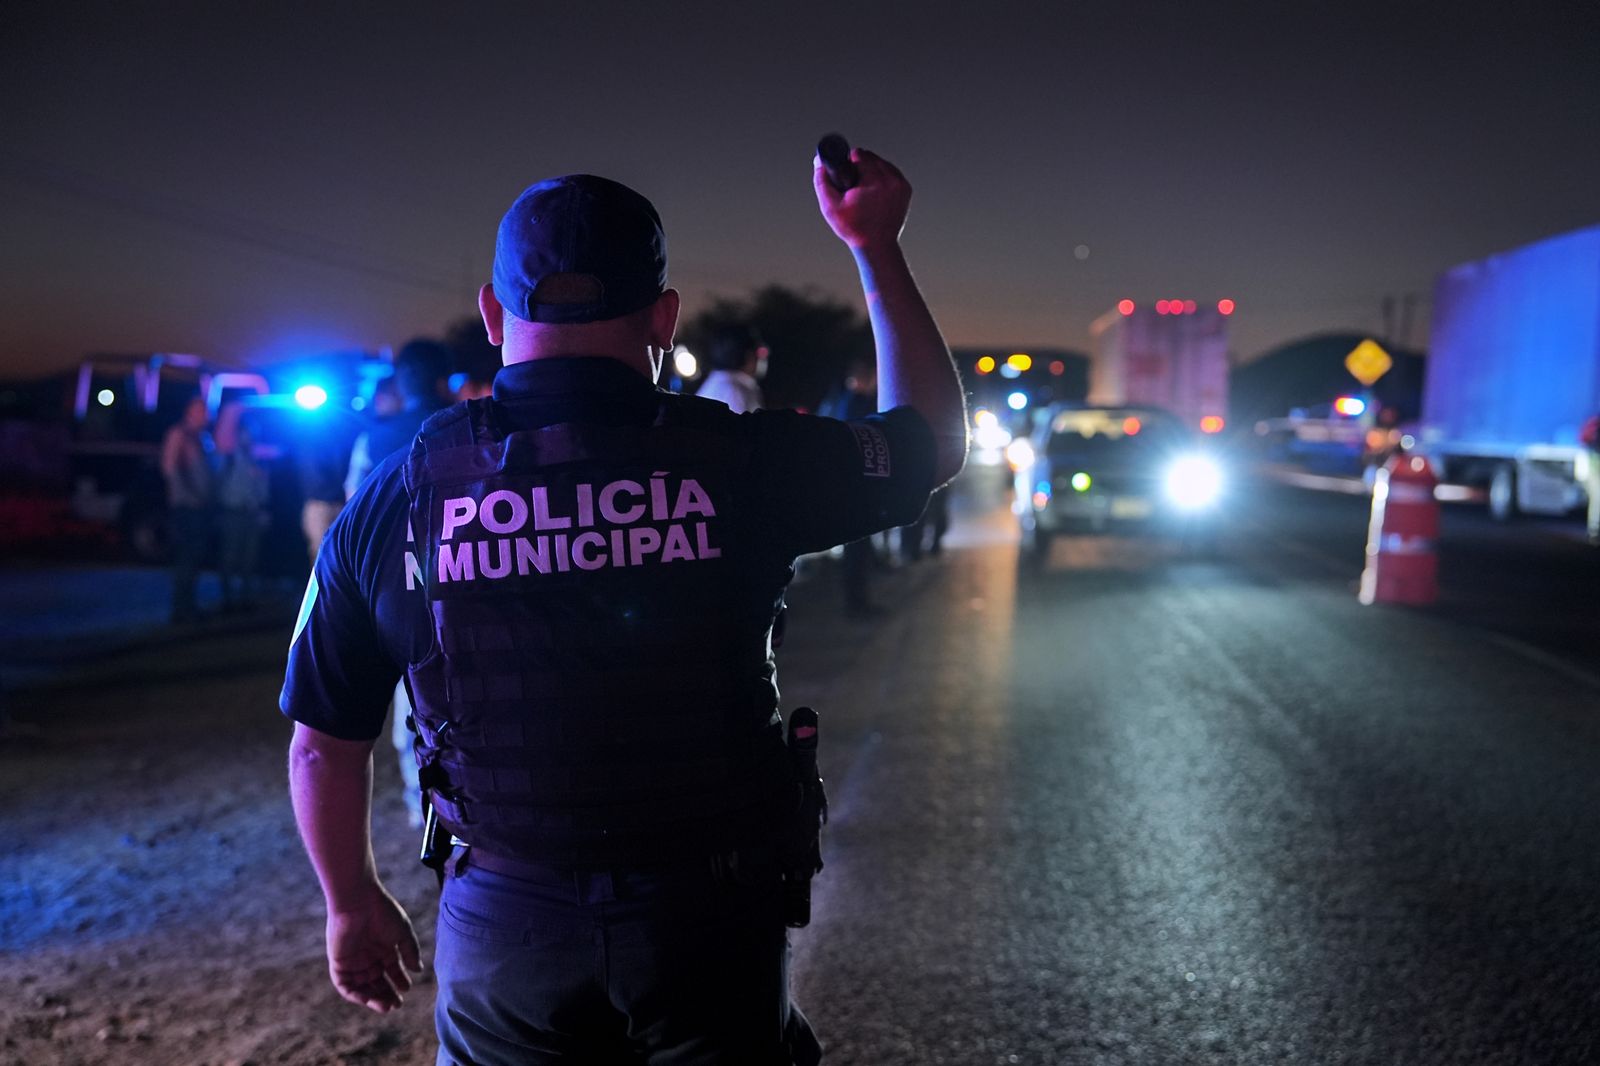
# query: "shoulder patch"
{"type": "Point", "coordinates": [874, 449]}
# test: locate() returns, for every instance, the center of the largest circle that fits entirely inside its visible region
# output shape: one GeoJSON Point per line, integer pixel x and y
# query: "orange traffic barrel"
{"type": "Point", "coordinates": [1402, 562]}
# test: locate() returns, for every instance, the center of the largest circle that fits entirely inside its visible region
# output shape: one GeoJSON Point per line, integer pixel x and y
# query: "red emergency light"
{"type": "Point", "coordinates": [1225, 307]}
{"type": "Point", "coordinates": [1126, 307]}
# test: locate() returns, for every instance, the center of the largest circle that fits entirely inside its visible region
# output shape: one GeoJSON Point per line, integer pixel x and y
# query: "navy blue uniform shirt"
{"type": "Point", "coordinates": [813, 483]}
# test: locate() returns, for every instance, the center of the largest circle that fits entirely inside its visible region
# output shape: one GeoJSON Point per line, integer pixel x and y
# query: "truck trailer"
{"type": "Point", "coordinates": [1172, 355]}
{"type": "Point", "coordinates": [1514, 372]}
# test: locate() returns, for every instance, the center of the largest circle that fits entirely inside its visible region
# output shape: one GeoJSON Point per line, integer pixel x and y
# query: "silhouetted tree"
{"type": "Point", "coordinates": [810, 338]}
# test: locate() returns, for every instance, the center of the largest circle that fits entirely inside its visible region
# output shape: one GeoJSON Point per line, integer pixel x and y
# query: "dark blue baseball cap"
{"type": "Point", "coordinates": [579, 249]}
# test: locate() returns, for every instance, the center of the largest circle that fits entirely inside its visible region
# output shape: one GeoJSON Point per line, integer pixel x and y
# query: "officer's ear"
{"type": "Point", "coordinates": [494, 316]}
{"type": "Point", "coordinates": [664, 319]}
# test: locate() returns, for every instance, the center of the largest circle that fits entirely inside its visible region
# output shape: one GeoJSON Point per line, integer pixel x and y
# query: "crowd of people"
{"type": "Point", "coordinates": [218, 489]}
{"type": "Point", "coordinates": [217, 494]}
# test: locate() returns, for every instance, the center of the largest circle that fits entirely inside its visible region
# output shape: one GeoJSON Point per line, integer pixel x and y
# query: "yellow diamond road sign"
{"type": "Point", "coordinates": [1368, 362]}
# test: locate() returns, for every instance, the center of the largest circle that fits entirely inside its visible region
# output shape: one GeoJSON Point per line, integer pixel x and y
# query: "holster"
{"type": "Point", "coordinates": [435, 852]}
{"type": "Point", "coordinates": [800, 836]}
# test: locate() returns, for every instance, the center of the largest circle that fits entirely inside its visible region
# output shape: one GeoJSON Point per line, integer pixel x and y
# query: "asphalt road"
{"type": "Point", "coordinates": [1131, 806]}
{"type": "Point", "coordinates": [1135, 807]}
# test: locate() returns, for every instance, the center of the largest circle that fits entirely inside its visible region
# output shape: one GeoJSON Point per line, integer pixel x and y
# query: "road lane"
{"type": "Point", "coordinates": [1531, 579]}
{"type": "Point", "coordinates": [1151, 808]}
{"type": "Point", "coordinates": [1367, 834]}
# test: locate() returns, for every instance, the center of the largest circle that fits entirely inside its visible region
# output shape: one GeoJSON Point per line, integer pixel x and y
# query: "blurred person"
{"type": "Point", "coordinates": [242, 492]}
{"type": "Point", "coordinates": [599, 725]}
{"type": "Point", "coordinates": [420, 370]}
{"type": "Point", "coordinates": [418, 390]}
{"type": "Point", "coordinates": [738, 363]}
{"type": "Point", "coordinates": [323, 464]}
{"type": "Point", "coordinates": [187, 466]}
{"type": "Point", "coordinates": [386, 399]}
{"type": "Point", "coordinates": [914, 538]}
{"type": "Point", "coordinates": [857, 396]}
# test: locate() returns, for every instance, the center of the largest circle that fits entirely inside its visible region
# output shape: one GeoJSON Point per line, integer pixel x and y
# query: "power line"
{"type": "Point", "coordinates": [209, 223]}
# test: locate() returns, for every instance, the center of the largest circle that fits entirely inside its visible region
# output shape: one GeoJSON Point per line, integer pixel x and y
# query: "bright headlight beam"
{"type": "Point", "coordinates": [1194, 482]}
{"type": "Point", "coordinates": [992, 436]}
{"type": "Point", "coordinates": [1019, 453]}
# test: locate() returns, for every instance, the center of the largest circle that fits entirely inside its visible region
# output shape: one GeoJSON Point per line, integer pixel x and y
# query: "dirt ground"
{"type": "Point", "coordinates": [155, 903]}
{"type": "Point", "coordinates": [160, 909]}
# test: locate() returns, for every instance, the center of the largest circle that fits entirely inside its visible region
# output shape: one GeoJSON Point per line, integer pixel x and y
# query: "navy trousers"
{"type": "Point", "coordinates": [663, 967]}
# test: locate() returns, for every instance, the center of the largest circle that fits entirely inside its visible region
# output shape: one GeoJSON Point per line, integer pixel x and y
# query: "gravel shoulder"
{"type": "Point", "coordinates": [155, 904]}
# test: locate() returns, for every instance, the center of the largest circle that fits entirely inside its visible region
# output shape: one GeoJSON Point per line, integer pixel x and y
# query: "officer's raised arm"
{"type": "Point", "coordinates": [914, 365]}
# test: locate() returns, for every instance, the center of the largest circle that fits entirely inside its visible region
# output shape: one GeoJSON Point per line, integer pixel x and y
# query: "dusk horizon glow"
{"type": "Point", "coordinates": [254, 187]}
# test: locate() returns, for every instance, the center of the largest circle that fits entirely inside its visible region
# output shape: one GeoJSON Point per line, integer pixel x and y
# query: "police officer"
{"type": "Point", "coordinates": [420, 370]}
{"type": "Point", "coordinates": [856, 397]}
{"type": "Point", "coordinates": [579, 578]}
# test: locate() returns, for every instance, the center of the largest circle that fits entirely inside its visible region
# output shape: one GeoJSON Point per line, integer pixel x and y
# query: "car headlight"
{"type": "Point", "coordinates": [1019, 453]}
{"type": "Point", "coordinates": [991, 435]}
{"type": "Point", "coordinates": [1194, 482]}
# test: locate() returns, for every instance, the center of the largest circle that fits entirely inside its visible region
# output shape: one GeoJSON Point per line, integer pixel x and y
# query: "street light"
{"type": "Point", "coordinates": [684, 362]}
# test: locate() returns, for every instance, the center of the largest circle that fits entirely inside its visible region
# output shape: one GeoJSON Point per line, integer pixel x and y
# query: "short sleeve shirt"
{"type": "Point", "coordinates": [813, 483]}
{"type": "Point", "coordinates": [733, 387]}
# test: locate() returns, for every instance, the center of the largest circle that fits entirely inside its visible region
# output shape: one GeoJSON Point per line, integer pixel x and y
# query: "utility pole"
{"type": "Point", "coordinates": [1408, 307]}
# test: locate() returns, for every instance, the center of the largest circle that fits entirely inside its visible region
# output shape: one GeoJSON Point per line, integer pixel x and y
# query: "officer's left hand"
{"type": "Point", "coordinates": [370, 951]}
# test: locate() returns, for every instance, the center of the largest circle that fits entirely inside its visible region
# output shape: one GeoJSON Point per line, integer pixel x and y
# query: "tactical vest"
{"type": "Point", "coordinates": [600, 687]}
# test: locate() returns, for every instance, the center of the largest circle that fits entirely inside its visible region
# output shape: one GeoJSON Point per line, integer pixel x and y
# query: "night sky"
{"type": "Point", "coordinates": [256, 182]}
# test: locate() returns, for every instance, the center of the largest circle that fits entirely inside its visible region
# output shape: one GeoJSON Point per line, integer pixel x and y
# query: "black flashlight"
{"type": "Point", "coordinates": [834, 151]}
